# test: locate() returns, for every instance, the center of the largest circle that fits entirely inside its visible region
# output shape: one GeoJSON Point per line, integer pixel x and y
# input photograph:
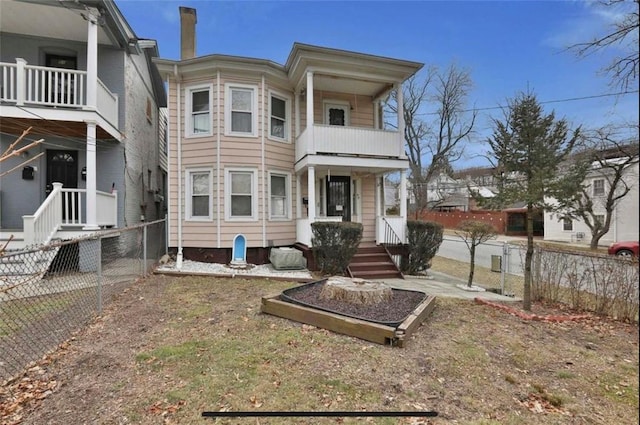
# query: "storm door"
{"type": "Point", "coordinates": [339, 197]}
{"type": "Point", "coordinates": [62, 167]}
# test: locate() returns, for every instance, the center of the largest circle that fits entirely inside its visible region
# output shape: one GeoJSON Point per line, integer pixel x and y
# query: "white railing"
{"type": "Point", "coordinates": [333, 139]}
{"type": "Point", "coordinates": [66, 207]}
{"type": "Point", "coordinates": [45, 86]}
{"type": "Point", "coordinates": [397, 224]}
{"type": "Point", "coordinates": [40, 227]}
{"type": "Point", "coordinates": [303, 228]}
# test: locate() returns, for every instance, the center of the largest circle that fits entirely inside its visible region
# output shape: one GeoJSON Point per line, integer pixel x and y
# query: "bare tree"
{"type": "Point", "coordinates": [609, 160]}
{"type": "Point", "coordinates": [623, 70]}
{"type": "Point", "coordinates": [432, 144]}
{"type": "Point", "coordinates": [474, 233]}
{"type": "Point", "coordinates": [13, 151]}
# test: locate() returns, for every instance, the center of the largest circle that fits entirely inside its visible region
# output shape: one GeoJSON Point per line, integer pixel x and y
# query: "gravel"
{"type": "Point", "coordinates": [251, 270]}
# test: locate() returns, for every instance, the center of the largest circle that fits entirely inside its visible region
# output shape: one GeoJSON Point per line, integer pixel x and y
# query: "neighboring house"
{"type": "Point", "coordinates": [264, 150]}
{"type": "Point", "coordinates": [79, 77]}
{"type": "Point", "coordinates": [452, 193]}
{"type": "Point", "coordinates": [624, 220]}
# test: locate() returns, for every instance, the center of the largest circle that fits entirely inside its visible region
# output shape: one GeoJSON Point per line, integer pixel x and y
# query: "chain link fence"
{"type": "Point", "coordinates": [48, 293]}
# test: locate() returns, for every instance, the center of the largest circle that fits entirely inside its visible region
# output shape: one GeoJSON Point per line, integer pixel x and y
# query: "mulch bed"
{"type": "Point", "coordinates": [393, 311]}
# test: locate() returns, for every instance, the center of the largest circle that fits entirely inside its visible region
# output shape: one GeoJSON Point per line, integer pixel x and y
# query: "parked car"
{"type": "Point", "coordinates": [624, 249]}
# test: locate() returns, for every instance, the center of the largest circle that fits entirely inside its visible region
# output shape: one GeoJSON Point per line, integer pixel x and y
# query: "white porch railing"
{"type": "Point", "coordinates": [303, 228]}
{"type": "Point", "coordinates": [40, 227]}
{"type": "Point", "coordinates": [348, 140]}
{"type": "Point", "coordinates": [397, 224]}
{"type": "Point", "coordinates": [45, 86]}
{"type": "Point", "coordinates": [66, 207]}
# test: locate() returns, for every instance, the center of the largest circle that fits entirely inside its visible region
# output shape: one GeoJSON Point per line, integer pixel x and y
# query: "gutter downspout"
{"type": "Point", "coordinates": [263, 171]}
{"type": "Point", "coordinates": [219, 178]}
{"type": "Point", "coordinates": [179, 147]}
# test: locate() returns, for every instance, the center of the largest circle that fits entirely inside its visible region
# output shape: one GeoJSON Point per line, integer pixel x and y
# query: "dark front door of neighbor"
{"type": "Point", "coordinates": [62, 167]}
{"type": "Point", "coordinates": [339, 197]}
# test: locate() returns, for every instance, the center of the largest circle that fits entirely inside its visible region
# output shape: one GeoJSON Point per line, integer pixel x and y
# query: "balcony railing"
{"type": "Point", "coordinates": [56, 87]}
{"type": "Point", "coordinates": [331, 139]}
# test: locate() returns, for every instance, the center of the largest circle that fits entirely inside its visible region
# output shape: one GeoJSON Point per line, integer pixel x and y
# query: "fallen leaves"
{"type": "Point", "coordinates": [30, 390]}
{"type": "Point", "coordinates": [537, 403]}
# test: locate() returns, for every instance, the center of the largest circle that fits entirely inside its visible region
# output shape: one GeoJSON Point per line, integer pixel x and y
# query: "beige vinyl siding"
{"type": "Point", "coordinates": [368, 213]}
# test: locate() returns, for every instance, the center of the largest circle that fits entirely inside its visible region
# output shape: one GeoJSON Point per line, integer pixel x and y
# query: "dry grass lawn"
{"type": "Point", "coordinates": [170, 348]}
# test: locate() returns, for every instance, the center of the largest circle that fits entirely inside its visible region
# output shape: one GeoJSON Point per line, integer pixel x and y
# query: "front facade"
{"type": "Point", "coordinates": [86, 97]}
{"type": "Point", "coordinates": [624, 220]}
{"type": "Point", "coordinates": [264, 150]}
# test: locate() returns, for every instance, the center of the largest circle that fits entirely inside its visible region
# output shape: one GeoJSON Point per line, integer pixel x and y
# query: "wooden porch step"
{"type": "Point", "coordinates": [372, 262]}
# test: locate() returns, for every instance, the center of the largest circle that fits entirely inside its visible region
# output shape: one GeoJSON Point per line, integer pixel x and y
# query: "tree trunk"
{"type": "Point", "coordinates": [355, 291]}
{"type": "Point", "coordinates": [526, 299]}
{"type": "Point", "coordinates": [473, 265]}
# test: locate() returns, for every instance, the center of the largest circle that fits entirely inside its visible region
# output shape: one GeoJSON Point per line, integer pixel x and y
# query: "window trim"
{"type": "Point", "coordinates": [287, 116]}
{"type": "Point", "coordinates": [188, 193]}
{"type": "Point", "coordinates": [227, 194]}
{"type": "Point", "coordinates": [288, 200]}
{"type": "Point", "coordinates": [188, 119]}
{"type": "Point", "coordinates": [228, 88]}
{"type": "Point", "coordinates": [594, 187]}
{"type": "Point", "coordinates": [565, 221]}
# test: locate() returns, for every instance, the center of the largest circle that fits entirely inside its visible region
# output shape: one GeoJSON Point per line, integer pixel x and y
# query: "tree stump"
{"type": "Point", "coordinates": [355, 291]}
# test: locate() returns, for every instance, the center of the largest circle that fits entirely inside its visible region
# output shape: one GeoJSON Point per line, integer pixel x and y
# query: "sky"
{"type": "Point", "coordinates": [508, 47]}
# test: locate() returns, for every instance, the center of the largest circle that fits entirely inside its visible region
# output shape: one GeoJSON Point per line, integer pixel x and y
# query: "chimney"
{"type": "Point", "coordinates": [188, 22]}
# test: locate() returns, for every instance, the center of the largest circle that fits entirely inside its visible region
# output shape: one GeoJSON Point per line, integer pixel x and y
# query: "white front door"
{"type": "Point", "coordinates": [336, 113]}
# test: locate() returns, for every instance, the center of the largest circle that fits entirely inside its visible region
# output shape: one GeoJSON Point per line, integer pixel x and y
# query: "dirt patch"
{"type": "Point", "coordinates": [170, 348]}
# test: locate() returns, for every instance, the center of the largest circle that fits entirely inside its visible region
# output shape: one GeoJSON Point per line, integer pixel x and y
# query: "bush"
{"type": "Point", "coordinates": [335, 244]}
{"type": "Point", "coordinates": [424, 239]}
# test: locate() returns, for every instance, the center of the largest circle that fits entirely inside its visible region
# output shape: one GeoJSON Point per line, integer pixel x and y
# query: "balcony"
{"type": "Point", "coordinates": [331, 139]}
{"type": "Point", "coordinates": [29, 85]}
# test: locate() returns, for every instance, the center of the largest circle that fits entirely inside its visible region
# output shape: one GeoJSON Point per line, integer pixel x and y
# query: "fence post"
{"type": "Point", "coordinates": [99, 273]}
{"type": "Point", "coordinates": [144, 250]}
{"type": "Point", "coordinates": [503, 263]}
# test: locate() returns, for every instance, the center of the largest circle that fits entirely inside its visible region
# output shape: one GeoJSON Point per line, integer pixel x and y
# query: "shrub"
{"type": "Point", "coordinates": [335, 244]}
{"type": "Point", "coordinates": [424, 239]}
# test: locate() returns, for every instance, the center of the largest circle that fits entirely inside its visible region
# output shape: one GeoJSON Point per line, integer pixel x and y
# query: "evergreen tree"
{"type": "Point", "coordinates": [528, 148]}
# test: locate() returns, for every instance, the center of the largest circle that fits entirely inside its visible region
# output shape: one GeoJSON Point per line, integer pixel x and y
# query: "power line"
{"type": "Point", "coordinates": [570, 99]}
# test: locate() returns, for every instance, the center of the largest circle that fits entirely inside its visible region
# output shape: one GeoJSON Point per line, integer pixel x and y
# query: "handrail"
{"type": "Point", "coordinates": [390, 236]}
{"type": "Point", "coordinates": [40, 227]}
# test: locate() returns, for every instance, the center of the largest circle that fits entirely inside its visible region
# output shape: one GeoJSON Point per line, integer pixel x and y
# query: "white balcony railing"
{"type": "Point", "coordinates": [333, 139]}
{"type": "Point", "coordinates": [44, 86]}
{"type": "Point", "coordinates": [66, 207]}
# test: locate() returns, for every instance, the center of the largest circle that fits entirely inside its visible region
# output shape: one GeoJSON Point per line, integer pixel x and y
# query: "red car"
{"type": "Point", "coordinates": [624, 249]}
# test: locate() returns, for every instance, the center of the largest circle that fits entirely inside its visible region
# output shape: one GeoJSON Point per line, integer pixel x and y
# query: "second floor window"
{"type": "Point", "coordinates": [598, 187]}
{"type": "Point", "coordinates": [240, 111]}
{"type": "Point", "coordinates": [199, 110]}
{"type": "Point", "coordinates": [279, 117]}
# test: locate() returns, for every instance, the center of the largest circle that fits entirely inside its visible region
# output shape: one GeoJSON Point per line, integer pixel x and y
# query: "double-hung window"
{"type": "Point", "coordinates": [240, 110]}
{"type": "Point", "coordinates": [279, 113]}
{"type": "Point", "coordinates": [567, 224]}
{"type": "Point", "coordinates": [279, 196]}
{"type": "Point", "coordinates": [199, 195]}
{"type": "Point", "coordinates": [241, 197]}
{"type": "Point", "coordinates": [199, 102]}
{"type": "Point", "coordinates": [598, 187]}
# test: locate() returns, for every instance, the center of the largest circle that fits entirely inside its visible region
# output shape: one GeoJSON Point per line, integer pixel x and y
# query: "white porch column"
{"type": "Point", "coordinates": [403, 194]}
{"type": "Point", "coordinates": [311, 193]}
{"type": "Point", "coordinates": [92, 58]}
{"type": "Point", "coordinates": [379, 196]}
{"type": "Point", "coordinates": [312, 144]}
{"type": "Point", "coordinates": [92, 217]}
{"type": "Point", "coordinates": [401, 122]}
{"type": "Point", "coordinates": [296, 106]}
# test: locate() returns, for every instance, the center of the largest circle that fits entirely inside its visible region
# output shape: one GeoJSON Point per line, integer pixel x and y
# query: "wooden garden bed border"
{"type": "Point", "coordinates": [369, 331]}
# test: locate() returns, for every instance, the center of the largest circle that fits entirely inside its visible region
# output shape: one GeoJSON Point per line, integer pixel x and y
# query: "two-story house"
{"type": "Point", "coordinates": [624, 217]}
{"type": "Point", "coordinates": [75, 79]}
{"type": "Point", "coordinates": [264, 150]}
